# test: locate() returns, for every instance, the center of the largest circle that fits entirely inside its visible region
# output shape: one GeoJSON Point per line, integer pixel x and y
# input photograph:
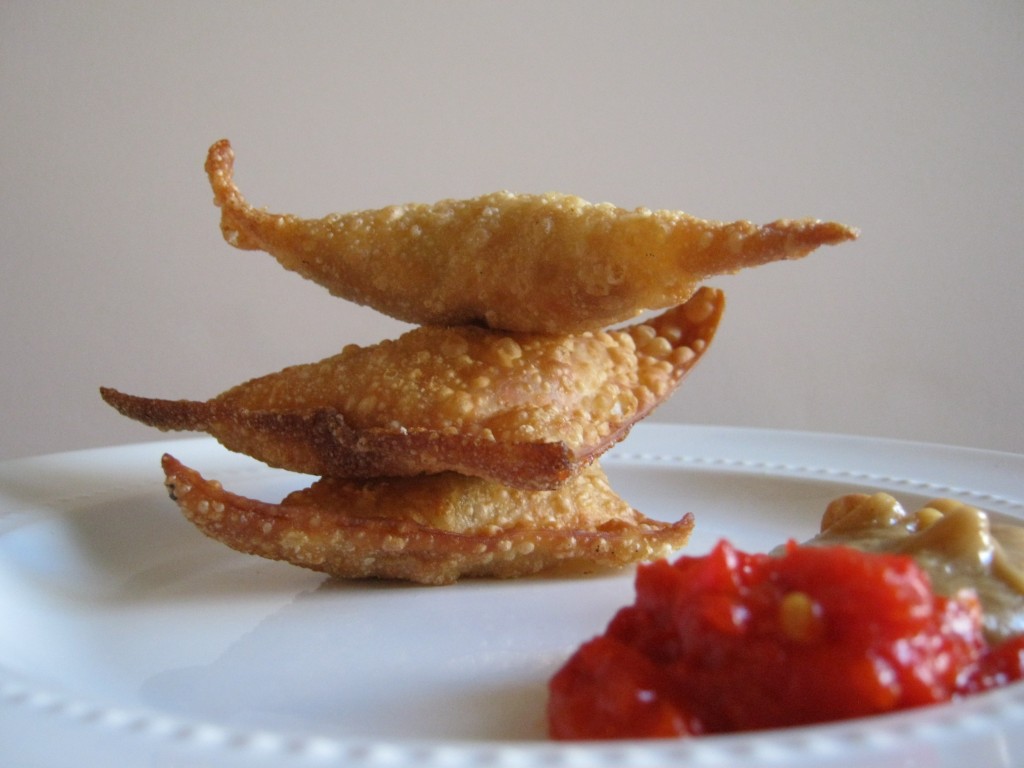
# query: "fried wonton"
{"type": "Point", "coordinates": [539, 263]}
{"type": "Point", "coordinates": [432, 530]}
{"type": "Point", "coordinates": [527, 410]}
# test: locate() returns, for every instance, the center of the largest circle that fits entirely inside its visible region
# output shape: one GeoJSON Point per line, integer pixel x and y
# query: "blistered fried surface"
{"type": "Point", "coordinates": [430, 530]}
{"type": "Point", "coordinates": [524, 409]}
{"type": "Point", "coordinates": [544, 263]}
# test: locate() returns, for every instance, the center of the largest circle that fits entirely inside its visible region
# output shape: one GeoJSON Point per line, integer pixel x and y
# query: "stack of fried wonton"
{"type": "Point", "coordinates": [469, 445]}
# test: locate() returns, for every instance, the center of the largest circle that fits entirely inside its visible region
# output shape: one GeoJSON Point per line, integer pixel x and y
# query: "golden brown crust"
{"type": "Point", "coordinates": [539, 263]}
{"type": "Point", "coordinates": [430, 530]}
{"type": "Point", "coordinates": [523, 409]}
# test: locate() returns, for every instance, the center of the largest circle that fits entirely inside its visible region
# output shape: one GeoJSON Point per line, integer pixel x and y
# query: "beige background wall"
{"type": "Point", "coordinates": [905, 119]}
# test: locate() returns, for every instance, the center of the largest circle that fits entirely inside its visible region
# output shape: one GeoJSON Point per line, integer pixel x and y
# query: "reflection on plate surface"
{"type": "Point", "coordinates": [127, 637]}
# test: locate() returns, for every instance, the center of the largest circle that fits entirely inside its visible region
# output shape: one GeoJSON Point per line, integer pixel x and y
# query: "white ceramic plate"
{"type": "Point", "coordinates": [127, 638]}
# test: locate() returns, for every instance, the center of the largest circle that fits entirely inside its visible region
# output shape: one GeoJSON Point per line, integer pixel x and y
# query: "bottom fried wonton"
{"type": "Point", "coordinates": [432, 529]}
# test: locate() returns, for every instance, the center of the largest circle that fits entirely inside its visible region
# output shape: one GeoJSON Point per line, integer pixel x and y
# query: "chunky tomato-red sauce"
{"type": "Point", "coordinates": [734, 641]}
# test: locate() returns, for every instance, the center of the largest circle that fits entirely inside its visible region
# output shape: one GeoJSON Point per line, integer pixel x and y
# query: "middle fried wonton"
{"type": "Point", "coordinates": [527, 410]}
